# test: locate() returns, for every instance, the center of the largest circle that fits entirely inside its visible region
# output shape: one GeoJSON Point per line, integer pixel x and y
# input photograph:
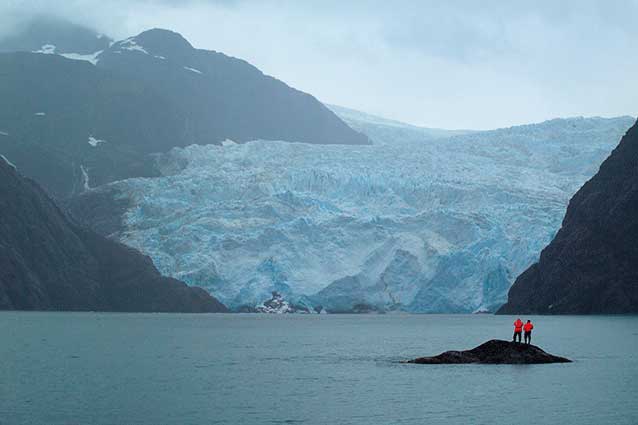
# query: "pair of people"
{"type": "Point", "coordinates": [519, 327]}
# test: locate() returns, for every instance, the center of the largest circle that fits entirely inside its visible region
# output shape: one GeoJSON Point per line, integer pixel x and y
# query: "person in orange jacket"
{"type": "Point", "coordinates": [528, 331]}
{"type": "Point", "coordinates": [518, 330]}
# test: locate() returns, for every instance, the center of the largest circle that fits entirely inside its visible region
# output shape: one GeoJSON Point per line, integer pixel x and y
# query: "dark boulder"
{"type": "Point", "coordinates": [494, 352]}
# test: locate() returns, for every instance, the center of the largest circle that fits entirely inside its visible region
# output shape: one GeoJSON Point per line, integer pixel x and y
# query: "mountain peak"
{"type": "Point", "coordinates": [163, 42]}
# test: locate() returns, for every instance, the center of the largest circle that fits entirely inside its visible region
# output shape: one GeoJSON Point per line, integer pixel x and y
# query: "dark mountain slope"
{"type": "Point", "coordinates": [54, 105]}
{"type": "Point", "coordinates": [591, 266]}
{"type": "Point", "coordinates": [70, 124]}
{"type": "Point", "coordinates": [48, 263]}
{"type": "Point", "coordinates": [224, 97]}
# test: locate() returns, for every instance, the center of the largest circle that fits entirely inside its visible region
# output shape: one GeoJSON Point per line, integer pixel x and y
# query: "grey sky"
{"type": "Point", "coordinates": [451, 64]}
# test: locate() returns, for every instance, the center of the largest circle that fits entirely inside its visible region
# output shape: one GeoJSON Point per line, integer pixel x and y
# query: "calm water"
{"type": "Point", "coordinates": [86, 368]}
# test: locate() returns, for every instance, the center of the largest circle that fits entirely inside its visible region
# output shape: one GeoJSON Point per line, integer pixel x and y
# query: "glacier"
{"type": "Point", "coordinates": [415, 224]}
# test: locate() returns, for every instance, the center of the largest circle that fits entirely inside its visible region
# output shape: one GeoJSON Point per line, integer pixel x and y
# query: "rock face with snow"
{"type": "Point", "coordinates": [225, 97]}
{"type": "Point", "coordinates": [82, 105]}
{"type": "Point", "coordinates": [49, 263]}
{"type": "Point", "coordinates": [591, 266]}
{"type": "Point", "coordinates": [72, 124]}
{"type": "Point", "coordinates": [278, 305]}
{"type": "Point", "coordinates": [442, 226]}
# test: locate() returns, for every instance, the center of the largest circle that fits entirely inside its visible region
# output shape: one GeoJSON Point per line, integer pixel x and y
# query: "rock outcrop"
{"type": "Point", "coordinates": [49, 263]}
{"type": "Point", "coordinates": [278, 305]}
{"type": "Point", "coordinates": [591, 266]}
{"type": "Point", "coordinates": [494, 352]}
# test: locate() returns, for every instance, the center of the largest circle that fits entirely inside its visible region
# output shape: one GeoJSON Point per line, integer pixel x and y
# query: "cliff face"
{"type": "Point", "coordinates": [49, 263]}
{"type": "Point", "coordinates": [591, 266]}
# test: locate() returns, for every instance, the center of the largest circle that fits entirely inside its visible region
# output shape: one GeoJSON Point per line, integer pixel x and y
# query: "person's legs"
{"type": "Point", "coordinates": [525, 337]}
{"type": "Point", "coordinates": [514, 337]}
{"type": "Point", "coordinates": [529, 337]}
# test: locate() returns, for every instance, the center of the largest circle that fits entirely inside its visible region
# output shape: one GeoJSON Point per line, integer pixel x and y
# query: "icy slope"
{"type": "Point", "coordinates": [383, 130]}
{"type": "Point", "coordinates": [442, 226]}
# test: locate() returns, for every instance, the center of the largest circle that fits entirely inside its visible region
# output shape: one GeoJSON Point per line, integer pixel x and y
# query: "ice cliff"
{"type": "Point", "coordinates": [439, 226]}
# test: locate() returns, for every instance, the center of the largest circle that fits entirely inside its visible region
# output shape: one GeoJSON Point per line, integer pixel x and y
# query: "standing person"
{"type": "Point", "coordinates": [518, 330]}
{"type": "Point", "coordinates": [528, 331]}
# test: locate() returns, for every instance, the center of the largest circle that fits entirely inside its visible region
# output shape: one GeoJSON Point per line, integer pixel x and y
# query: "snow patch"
{"type": "Point", "coordinates": [131, 45]}
{"type": "Point", "coordinates": [94, 142]}
{"type": "Point", "coordinates": [47, 49]}
{"type": "Point", "coordinates": [85, 178]}
{"type": "Point", "coordinates": [160, 57]}
{"type": "Point", "coordinates": [40, 114]}
{"type": "Point", "coordinates": [92, 57]}
{"type": "Point", "coordinates": [229, 142]}
{"type": "Point", "coordinates": [197, 71]}
{"type": "Point", "coordinates": [9, 163]}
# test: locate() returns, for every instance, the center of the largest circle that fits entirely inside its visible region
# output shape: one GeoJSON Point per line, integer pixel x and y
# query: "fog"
{"type": "Point", "coordinates": [456, 64]}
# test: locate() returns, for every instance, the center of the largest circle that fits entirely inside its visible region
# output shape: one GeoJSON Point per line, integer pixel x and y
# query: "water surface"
{"type": "Point", "coordinates": [95, 368]}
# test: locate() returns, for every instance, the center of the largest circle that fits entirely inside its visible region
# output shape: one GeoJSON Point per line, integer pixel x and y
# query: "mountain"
{"type": "Point", "coordinates": [73, 121]}
{"type": "Point", "coordinates": [591, 266]}
{"type": "Point", "coordinates": [443, 225]}
{"type": "Point", "coordinates": [49, 263]}
{"type": "Point", "coordinates": [54, 35]}
{"type": "Point", "coordinates": [225, 97]}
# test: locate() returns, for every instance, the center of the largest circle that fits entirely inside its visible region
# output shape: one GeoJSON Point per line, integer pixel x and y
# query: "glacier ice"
{"type": "Point", "coordinates": [438, 226]}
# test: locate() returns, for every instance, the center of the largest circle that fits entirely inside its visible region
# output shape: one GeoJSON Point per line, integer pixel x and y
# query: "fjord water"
{"type": "Point", "coordinates": [90, 368]}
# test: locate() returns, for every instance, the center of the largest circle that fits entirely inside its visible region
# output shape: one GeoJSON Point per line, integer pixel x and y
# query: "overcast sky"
{"type": "Point", "coordinates": [450, 64]}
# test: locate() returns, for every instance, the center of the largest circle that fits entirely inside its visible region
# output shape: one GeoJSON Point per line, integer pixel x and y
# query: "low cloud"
{"type": "Point", "coordinates": [457, 64]}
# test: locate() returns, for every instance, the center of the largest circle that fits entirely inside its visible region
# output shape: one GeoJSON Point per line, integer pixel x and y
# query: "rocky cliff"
{"type": "Point", "coordinates": [49, 263]}
{"type": "Point", "coordinates": [591, 266]}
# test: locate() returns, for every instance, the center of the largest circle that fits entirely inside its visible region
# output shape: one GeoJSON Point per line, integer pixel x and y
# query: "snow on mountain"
{"type": "Point", "coordinates": [90, 57]}
{"type": "Point", "coordinates": [196, 71]}
{"type": "Point", "coordinates": [95, 142]}
{"type": "Point", "coordinates": [384, 131]}
{"type": "Point", "coordinates": [50, 49]}
{"type": "Point", "coordinates": [11, 164]}
{"type": "Point", "coordinates": [129, 44]}
{"type": "Point", "coordinates": [442, 226]}
{"type": "Point", "coordinates": [47, 49]}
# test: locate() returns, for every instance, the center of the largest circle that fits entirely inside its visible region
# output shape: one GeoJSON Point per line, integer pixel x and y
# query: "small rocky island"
{"type": "Point", "coordinates": [494, 352]}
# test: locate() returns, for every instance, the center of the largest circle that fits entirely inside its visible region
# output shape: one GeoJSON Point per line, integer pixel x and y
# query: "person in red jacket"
{"type": "Point", "coordinates": [528, 331]}
{"type": "Point", "coordinates": [518, 330]}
